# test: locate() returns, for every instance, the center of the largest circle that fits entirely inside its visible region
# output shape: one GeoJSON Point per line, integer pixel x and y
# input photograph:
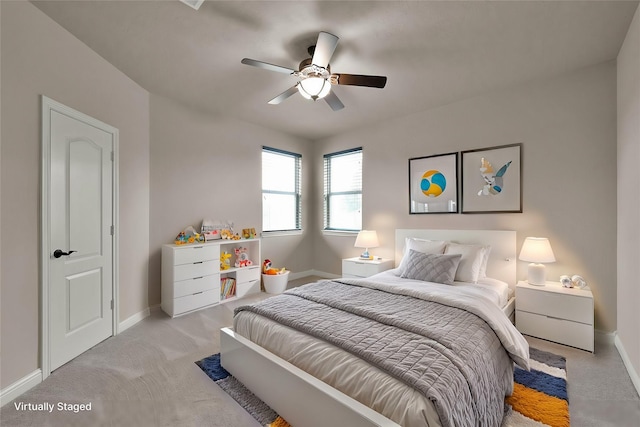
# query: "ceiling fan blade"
{"type": "Point", "coordinates": [325, 46]}
{"type": "Point", "coordinates": [333, 101]}
{"type": "Point", "coordinates": [267, 66]}
{"type": "Point", "coordinates": [359, 80]}
{"type": "Point", "coordinates": [284, 95]}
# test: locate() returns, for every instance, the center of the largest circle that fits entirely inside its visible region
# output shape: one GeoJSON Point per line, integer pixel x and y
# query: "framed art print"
{"type": "Point", "coordinates": [492, 179]}
{"type": "Point", "coordinates": [433, 184]}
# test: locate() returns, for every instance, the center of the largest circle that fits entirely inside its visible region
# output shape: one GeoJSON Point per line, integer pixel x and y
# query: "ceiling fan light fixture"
{"type": "Point", "coordinates": [314, 87]}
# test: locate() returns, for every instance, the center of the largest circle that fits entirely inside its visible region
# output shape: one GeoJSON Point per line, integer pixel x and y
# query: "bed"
{"type": "Point", "coordinates": [268, 346]}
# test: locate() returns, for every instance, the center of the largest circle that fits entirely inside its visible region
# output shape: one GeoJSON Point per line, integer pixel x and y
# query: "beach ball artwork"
{"type": "Point", "coordinates": [433, 183]}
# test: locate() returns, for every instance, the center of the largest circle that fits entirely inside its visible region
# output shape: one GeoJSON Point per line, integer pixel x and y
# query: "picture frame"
{"type": "Point", "coordinates": [491, 179]}
{"type": "Point", "coordinates": [433, 184]}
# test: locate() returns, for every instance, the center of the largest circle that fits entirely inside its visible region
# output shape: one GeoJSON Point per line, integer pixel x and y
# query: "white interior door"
{"type": "Point", "coordinates": [80, 240]}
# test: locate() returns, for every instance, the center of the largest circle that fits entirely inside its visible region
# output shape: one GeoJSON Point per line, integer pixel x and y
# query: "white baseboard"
{"type": "Point", "coordinates": [132, 320]}
{"type": "Point", "coordinates": [635, 379]}
{"type": "Point", "coordinates": [325, 274]}
{"type": "Point", "coordinates": [604, 337]}
{"type": "Point", "coordinates": [307, 273]}
{"type": "Point", "coordinates": [19, 387]}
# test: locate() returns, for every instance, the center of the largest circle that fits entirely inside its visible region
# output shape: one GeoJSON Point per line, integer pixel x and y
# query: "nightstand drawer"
{"type": "Point", "coordinates": [553, 304]}
{"type": "Point", "coordinates": [359, 269]}
{"type": "Point", "coordinates": [191, 254]}
{"type": "Point", "coordinates": [562, 331]}
{"type": "Point", "coordinates": [198, 269]}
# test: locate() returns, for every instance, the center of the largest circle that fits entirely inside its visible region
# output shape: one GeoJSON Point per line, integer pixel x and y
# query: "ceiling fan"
{"type": "Point", "coordinates": [315, 74]}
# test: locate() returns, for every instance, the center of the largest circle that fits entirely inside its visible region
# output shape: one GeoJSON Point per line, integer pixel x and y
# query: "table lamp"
{"type": "Point", "coordinates": [536, 250]}
{"type": "Point", "coordinates": [366, 239]}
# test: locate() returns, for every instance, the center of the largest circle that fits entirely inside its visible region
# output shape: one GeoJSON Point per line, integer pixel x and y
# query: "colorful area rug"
{"type": "Point", "coordinates": [539, 397]}
{"type": "Point", "coordinates": [259, 410]}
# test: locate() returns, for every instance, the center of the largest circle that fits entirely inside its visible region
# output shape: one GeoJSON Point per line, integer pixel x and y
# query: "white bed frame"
{"type": "Point", "coordinates": [305, 401]}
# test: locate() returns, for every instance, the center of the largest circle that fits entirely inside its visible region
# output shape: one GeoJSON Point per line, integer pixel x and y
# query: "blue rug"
{"type": "Point", "coordinates": [259, 410]}
{"type": "Point", "coordinates": [539, 398]}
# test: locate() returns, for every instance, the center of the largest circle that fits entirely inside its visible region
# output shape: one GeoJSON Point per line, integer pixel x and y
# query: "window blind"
{"type": "Point", "coordinates": [343, 190]}
{"type": "Point", "coordinates": [281, 194]}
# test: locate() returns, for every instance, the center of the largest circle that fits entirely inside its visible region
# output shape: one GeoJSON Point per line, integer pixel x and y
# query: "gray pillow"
{"type": "Point", "coordinates": [431, 268]}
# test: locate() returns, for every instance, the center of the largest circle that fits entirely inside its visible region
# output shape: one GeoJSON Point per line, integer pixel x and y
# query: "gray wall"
{"type": "Point", "coordinates": [204, 166]}
{"type": "Point", "coordinates": [629, 194]}
{"type": "Point", "coordinates": [39, 57]}
{"type": "Point", "coordinates": [567, 125]}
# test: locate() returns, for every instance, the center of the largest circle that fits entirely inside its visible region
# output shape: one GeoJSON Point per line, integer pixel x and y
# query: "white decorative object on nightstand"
{"type": "Point", "coordinates": [357, 267]}
{"type": "Point", "coordinates": [555, 313]}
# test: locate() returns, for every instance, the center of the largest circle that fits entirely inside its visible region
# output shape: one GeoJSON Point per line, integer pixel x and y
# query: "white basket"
{"type": "Point", "coordinates": [275, 283]}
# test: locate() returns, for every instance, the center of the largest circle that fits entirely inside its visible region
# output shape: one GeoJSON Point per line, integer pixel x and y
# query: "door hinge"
{"type": "Point", "coordinates": [112, 156]}
{"type": "Point", "coordinates": [112, 230]}
{"type": "Point", "coordinates": [111, 304]}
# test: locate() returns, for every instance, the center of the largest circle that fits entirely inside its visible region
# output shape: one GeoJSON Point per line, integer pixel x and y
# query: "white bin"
{"type": "Point", "coordinates": [275, 283]}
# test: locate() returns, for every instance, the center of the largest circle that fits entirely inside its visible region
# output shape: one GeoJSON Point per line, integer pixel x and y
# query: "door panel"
{"type": "Point", "coordinates": [81, 216]}
{"type": "Point", "coordinates": [84, 293]}
{"type": "Point", "coordinates": [85, 198]}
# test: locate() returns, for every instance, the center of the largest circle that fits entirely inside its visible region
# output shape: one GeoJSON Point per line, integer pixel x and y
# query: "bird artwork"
{"type": "Point", "coordinates": [494, 182]}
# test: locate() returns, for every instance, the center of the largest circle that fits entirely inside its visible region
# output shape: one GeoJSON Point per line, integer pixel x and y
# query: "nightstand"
{"type": "Point", "coordinates": [555, 313]}
{"type": "Point", "coordinates": [358, 267]}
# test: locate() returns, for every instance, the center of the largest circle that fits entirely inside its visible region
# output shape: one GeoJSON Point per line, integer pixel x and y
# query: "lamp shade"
{"type": "Point", "coordinates": [537, 249]}
{"type": "Point", "coordinates": [367, 239]}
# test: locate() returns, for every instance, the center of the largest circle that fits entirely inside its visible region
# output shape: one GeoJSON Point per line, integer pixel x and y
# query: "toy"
{"type": "Point", "coordinates": [242, 257]}
{"type": "Point", "coordinates": [229, 235]}
{"type": "Point", "coordinates": [249, 233]}
{"type": "Point", "coordinates": [225, 260]}
{"type": "Point", "coordinates": [188, 235]}
{"type": "Point", "coordinates": [181, 239]}
{"type": "Point", "coordinates": [270, 271]}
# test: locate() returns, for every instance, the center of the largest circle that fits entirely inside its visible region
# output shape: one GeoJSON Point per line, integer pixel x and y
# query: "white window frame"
{"type": "Point", "coordinates": [297, 193]}
{"type": "Point", "coordinates": [328, 193]}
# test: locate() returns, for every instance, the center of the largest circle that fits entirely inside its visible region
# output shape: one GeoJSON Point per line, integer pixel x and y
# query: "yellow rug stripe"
{"type": "Point", "coordinates": [539, 406]}
{"type": "Point", "coordinates": [279, 422]}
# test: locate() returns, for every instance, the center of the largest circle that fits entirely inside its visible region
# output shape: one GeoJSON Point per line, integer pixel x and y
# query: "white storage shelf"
{"type": "Point", "coordinates": [191, 274]}
{"type": "Point", "coordinates": [554, 313]}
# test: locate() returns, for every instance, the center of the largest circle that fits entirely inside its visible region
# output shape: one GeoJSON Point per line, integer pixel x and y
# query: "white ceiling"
{"type": "Point", "coordinates": [433, 52]}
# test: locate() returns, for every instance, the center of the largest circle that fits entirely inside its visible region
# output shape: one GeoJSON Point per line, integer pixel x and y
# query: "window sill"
{"type": "Point", "coordinates": [267, 234]}
{"type": "Point", "coordinates": [343, 233]}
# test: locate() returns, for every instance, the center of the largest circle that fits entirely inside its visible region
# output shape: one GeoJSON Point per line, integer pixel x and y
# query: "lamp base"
{"type": "Point", "coordinates": [365, 255]}
{"type": "Point", "coordinates": [536, 274]}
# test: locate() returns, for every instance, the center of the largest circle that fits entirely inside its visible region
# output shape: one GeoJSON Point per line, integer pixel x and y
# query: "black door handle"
{"type": "Point", "coordinates": [58, 253]}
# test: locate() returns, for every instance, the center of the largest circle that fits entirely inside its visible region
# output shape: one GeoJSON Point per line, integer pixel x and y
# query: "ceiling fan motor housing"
{"type": "Point", "coordinates": [307, 69]}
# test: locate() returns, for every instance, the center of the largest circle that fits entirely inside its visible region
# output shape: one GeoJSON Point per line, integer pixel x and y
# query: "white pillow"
{"type": "Point", "coordinates": [433, 247]}
{"type": "Point", "coordinates": [470, 263]}
{"type": "Point", "coordinates": [485, 261]}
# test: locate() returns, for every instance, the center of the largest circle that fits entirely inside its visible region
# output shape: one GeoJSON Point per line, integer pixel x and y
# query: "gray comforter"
{"type": "Point", "coordinates": [453, 352]}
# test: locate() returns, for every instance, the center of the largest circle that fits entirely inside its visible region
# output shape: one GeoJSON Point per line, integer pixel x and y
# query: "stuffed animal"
{"type": "Point", "coordinates": [242, 257]}
{"type": "Point", "coordinates": [225, 260]}
{"type": "Point", "coordinates": [268, 270]}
